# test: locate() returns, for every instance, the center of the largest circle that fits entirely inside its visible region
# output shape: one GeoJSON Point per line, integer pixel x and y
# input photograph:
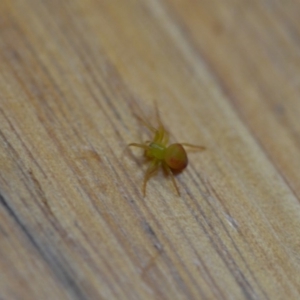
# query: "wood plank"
{"type": "Point", "coordinates": [75, 76]}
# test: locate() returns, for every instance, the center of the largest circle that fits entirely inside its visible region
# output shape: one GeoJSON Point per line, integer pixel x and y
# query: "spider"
{"type": "Point", "coordinates": [172, 158]}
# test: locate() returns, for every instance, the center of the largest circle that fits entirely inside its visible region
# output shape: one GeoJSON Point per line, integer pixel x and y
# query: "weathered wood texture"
{"type": "Point", "coordinates": [73, 221]}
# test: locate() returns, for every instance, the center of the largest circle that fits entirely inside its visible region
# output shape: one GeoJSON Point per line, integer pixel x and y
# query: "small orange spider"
{"type": "Point", "coordinates": [172, 158]}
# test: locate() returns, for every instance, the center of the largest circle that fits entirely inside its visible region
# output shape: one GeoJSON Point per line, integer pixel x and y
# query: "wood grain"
{"type": "Point", "coordinates": [73, 221]}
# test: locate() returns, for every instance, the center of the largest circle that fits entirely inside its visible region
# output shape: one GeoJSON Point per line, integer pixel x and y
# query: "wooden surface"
{"type": "Point", "coordinates": [73, 221]}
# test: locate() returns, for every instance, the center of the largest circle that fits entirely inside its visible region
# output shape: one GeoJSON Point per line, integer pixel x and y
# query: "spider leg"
{"type": "Point", "coordinates": [139, 145]}
{"type": "Point", "coordinates": [166, 138]}
{"type": "Point", "coordinates": [163, 135]}
{"type": "Point", "coordinates": [170, 173]}
{"type": "Point", "coordinates": [193, 146]}
{"type": "Point", "coordinates": [158, 115]}
{"type": "Point", "coordinates": [149, 126]}
{"type": "Point", "coordinates": [151, 169]}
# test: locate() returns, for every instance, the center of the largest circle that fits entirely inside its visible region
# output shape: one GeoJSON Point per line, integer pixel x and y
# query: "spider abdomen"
{"type": "Point", "coordinates": [175, 157]}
